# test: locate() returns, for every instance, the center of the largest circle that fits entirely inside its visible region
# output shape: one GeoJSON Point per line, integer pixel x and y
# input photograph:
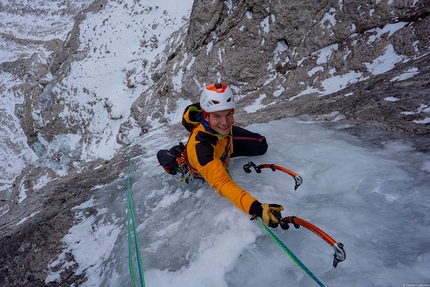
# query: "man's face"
{"type": "Point", "coordinates": [221, 121]}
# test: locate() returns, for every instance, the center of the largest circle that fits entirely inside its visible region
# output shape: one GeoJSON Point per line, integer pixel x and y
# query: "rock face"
{"type": "Point", "coordinates": [28, 246]}
{"type": "Point", "coordinates": [285, 54]}
{"type": "Point", "coordinates": [291, 53]}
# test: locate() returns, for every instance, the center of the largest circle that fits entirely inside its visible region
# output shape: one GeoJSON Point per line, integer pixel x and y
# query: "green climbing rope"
{"type": "Point", "coordinates": [132, 230]}
{"type": "Point", "coordinates": [289, 252]}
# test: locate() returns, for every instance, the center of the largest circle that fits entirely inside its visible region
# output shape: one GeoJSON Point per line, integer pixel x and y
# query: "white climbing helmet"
{"type": "Point", "coordinates": [217, 97]}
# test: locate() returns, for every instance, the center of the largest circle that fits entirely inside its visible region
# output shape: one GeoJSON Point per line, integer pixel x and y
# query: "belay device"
{"type": "Point", "coordinates": [339, 252]}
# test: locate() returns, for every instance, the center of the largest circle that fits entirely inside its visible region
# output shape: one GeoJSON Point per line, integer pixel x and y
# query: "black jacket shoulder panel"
{"type": "Point", "coordinates": [205, 147]}
{"type": "Point", "coordinates": [189, 120]}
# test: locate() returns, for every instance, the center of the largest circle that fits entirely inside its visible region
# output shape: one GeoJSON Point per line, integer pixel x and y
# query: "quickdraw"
{"type": "Point", "coordinates": [298, 179]}
{"type": "Point", "coordinates": [187, 172]}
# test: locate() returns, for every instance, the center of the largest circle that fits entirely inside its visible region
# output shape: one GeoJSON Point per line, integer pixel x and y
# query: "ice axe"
{"type": "Point", "coordinates": [339, 252]}
{"type": "Point", "coordinates": [297, 178]}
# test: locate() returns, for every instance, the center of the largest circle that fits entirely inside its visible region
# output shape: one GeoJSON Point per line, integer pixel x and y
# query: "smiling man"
{"type": "Point", "coordinates": [214, 140]}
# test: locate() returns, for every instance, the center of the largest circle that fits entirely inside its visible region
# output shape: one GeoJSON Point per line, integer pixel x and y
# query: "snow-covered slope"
{"type": "Point", "coordinates": [374, 199]}
{"type": "Point", "coordinates": [79, 111]}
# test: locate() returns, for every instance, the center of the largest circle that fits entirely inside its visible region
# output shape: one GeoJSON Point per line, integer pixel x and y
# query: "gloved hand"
{"type": "Point", "coordinates": [266, 214]}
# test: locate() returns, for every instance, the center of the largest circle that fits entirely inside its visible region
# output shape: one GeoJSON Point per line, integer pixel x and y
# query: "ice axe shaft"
{"type": "Point", "coordinates": [338, 247]}
{"type": "Point", "coordinates": [297, 178]}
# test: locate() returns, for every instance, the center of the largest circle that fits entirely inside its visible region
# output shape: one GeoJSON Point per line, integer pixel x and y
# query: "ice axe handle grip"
{"type": "Point", "coordinates": [247, 167]}
{"type": "Point", "coordinates": [284, 225]}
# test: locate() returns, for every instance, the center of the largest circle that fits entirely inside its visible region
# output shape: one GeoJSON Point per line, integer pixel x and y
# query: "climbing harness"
{"type": "Point", "coordinates": [185, 169]}
{"type": "Point", "coordinates": [131, 226]}
{"type": "Point", "coordinates": [187, 172]}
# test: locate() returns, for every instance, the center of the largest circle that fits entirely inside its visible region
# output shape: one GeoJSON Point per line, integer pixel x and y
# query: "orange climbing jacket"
{"type": "Point", "coordinates": [207, 156]}
{"type": "Point", "coordinates": [208, 153]}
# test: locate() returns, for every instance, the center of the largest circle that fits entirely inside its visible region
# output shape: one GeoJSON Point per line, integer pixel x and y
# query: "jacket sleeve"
{"type": "Point", "coordinates": [217, 176]}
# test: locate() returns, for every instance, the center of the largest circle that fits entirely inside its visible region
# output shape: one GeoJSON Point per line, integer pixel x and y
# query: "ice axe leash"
{"type": "Point", "coordinates": [297, 178]}
{"type": "Point", "coordinates": [131, 225]}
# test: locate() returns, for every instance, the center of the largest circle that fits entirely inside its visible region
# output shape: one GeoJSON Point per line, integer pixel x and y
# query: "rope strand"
{"type": "Point", "coordinates": [290, 253]}
{"type": "Point", "coordinates": [131, 225]}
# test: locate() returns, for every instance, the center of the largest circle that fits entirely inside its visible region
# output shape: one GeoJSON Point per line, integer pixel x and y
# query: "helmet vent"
{"type": "Point", "coordinates": [217, 97]}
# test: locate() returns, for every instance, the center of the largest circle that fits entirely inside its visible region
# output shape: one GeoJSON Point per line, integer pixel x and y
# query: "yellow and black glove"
{"type": "Point", "coordinates": [264, 211]}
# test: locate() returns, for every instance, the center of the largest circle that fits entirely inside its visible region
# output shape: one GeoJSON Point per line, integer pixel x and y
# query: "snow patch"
{"type": "Point", "coordinates": [406, 75]}
{"type": "Point", "coordinates": [256, 105]}
{"type": "Point", "coordinates": [25, 218]}
{"type": "Point", "coordinates": [385, 62]}
{"type": "Point", "coordinates": [91, 241]}
{"type": "Point", "coordinates": [391, 99]}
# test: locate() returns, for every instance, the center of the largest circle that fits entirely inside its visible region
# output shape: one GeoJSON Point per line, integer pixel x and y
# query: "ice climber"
{"type": "Point", "coordinates": [213, 141]}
